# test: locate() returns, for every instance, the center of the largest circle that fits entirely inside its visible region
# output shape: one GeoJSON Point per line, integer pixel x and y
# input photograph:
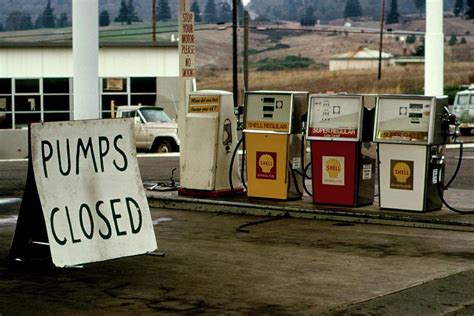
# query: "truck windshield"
{"type": "Point", "coordinates": [155, 115]}
{"type": "Point", "coordinates": [463, 99]}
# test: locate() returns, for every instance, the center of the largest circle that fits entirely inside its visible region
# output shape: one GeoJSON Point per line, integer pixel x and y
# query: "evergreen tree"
{"type": "Point", "coordinates": [453, 40]}
{"type": "Point", "coordinates": [420, 6]}
{"type": "Point", "coordinates": [123, 13]}
{"type": "Point", "coordinates": [46, 19]}
{"type": "Point", "coordinates": [1, 27]}
{"type": "Point", "coordinates": [132, 15]}
{"type": "Point", "coordinates": [393, 15]}
{"type": "Point", "coordinates": [197, 11]}
{"type": "Point", "coordinates": [210, 12]}
{"type": "Point", "coordinates": [470, 9]}
{"type": "Point", "coordinates": [163, 12]}
{"type": "Point", "coordinates": [352, 9]}
{"type": "Point", "coordinates": [225, 14]}
{"type": "Point", "coordinates": [411, 39]}
{"type": "Point", "coordinates": [463, 40]}
{"type": "Point", "coordinates": [18, 20]}
{"type": "Point", "coordinates": [308, 18]}
{"type": "Point", "coordinates": [104, 18]}
{"type": "Point", "coordinates": [63, 20]}
{"type": "Point", "coordinates": [458, 7]}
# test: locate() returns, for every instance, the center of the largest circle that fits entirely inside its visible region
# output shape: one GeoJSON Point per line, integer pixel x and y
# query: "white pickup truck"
{"type": "Point", "coordinates": [154, 130]}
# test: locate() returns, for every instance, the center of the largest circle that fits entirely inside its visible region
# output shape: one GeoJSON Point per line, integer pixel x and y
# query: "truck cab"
{"type": "Point", "coordinates": [463, 108]}
{"type": "Point", "coordinates": [154, 130]}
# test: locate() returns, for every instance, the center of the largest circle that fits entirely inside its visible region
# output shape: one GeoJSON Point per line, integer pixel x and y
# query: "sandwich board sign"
{"type": "Point", "coordinates": [84, 200]}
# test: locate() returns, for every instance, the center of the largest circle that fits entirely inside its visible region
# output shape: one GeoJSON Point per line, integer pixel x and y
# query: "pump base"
{"type": "Point", "coordinates": [212, 194]}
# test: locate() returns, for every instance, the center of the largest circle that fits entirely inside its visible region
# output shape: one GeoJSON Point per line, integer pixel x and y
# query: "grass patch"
{"type": "Point", "coordinates": [268, 49]}
{"type": "Point", "coordinates": [289, 62]}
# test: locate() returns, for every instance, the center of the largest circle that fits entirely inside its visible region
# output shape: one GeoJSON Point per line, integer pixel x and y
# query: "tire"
{"type": "Point", "coordinates": [162, 146]}
{"type": "Point", "coordinates": [465, 131]}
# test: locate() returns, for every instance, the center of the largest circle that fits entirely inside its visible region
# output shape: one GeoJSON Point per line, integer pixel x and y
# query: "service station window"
{"type": "Point", "coordinates": [127, 91]}
{"type": "Point", "coordinates": [24, 101]}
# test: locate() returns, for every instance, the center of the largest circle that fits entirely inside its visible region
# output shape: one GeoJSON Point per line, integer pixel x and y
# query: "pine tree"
{"type": "Point", "coordinates": [225, 14]}
{"type": "Point", "coordinates": [123, 13]}
{"type": "Point", "coordinates": [308, 18]}
{"type": "Point", "coordinates": [132, 15]}
{"type": "Point", "coordinates": [458, 7]}
{"type": "Point", "coordinates": [453, 40]}
{"type": "Point", "coordinates": [104, 18]}
{"type": "Point", "coordinates": [197, 11]}
{"type": "Point", "coordinates": [420, 5]}
{"type": "Point", "coordinates": [470, 9]}
{"type": "Point", "coordinates": [210, 12]}
{"type": "Point", "coordinates": [393, 15]}
{"type": "Point", "coordinates": [163, 12]}
{"type": "Point", "coordinates": [46, 19]}
{"type": "Point", "coordinates": [352, 9]}
{"type": "Point", "coordinates": [18, 20]}
{"type": "Point", "coordinates": [63, 20]}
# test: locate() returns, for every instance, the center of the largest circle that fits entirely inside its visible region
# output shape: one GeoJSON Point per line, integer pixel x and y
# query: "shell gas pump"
{"type": "Point", "coordinates": [210, 138]}
{"type": "Point", "coordinates": [411, 138]}
{"type": "Point", "coordinates": [340, 130]}
{"type": "Point", "coordinates": [273, 124]}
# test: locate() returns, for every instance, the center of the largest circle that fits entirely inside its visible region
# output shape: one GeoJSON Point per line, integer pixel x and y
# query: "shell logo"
{"type": "Point", "coordinates": [401, 171]}
{"type": "Point", "coordinates": [333, 168]}
{"type": "Point", "coordinates": [266, 163]}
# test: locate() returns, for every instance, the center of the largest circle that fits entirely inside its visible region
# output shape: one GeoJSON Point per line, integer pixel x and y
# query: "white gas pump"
{"type": "Point", "coordinates": [411, 138]}
{"type": "Point", "coordinates": [210, 138]}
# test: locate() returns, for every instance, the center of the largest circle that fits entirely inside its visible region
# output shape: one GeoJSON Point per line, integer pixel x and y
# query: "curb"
{"type": "Point", "coordinates": [175, 202]}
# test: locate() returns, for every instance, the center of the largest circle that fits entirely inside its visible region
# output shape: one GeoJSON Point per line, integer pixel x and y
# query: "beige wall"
{"type": "Point", "coordinates": [343, 64]}
{"type": "Point", "coordinates": [30, 62]}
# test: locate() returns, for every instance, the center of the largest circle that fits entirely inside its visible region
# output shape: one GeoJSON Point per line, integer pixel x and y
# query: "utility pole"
{"type": "Point", "coordinates": [153, 20]}
{"type": "Point", "coordinates": [382, 18]}
{"type": "Point", "coordinates": [234, 52]}
{"type": "Point", "coordinates": [246, 50]}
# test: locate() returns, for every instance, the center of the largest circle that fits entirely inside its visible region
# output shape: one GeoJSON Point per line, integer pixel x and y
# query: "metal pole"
{"type": "Point", "coordinates": [246, 50]}
{"type": "Point", "coordinates": [434, 49]}
{"type": "Point", "coordinates": [234, 52]}
{"type": "Point", "coordinates": [153, 20]}
{"type": "Point", "coordinates": [382, 19]}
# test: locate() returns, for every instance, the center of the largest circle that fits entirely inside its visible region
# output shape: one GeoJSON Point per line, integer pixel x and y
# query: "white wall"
{"type": "Point", "coordinates": [29, 62]}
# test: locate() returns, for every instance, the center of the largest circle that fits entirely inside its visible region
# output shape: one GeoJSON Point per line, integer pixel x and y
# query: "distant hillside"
{"type": "Point", "coordinates": [35, 7]}
{"type": "Point", "coordinates": [327, 10]}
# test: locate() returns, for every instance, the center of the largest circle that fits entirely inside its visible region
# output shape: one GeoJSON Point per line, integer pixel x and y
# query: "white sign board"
{"type": "Point", "coordinates": [186, 46]}
{"type": "Point", "coordinates": [90, 190]}
{"type": "Point", "coordinates": [334, 117]}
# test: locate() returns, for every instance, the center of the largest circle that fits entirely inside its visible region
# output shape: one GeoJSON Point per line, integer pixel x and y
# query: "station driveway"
{"type": "Point", "coordinates": [283, 266]}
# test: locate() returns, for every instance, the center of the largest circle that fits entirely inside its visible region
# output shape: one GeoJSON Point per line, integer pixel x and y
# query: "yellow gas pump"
{"type": "Point", "coordinates": [210, 139]}
{"type": "Point", "coordinates": [273, 140]}
{"type": "Point", "coordinates": [410, 136]}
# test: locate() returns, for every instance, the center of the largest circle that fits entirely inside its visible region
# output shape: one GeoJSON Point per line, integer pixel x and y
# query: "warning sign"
{"type": "Point", "coordinates": [83, 179]}
{"type": "Point", "coordinates": [204, 104]}
{"type": "Point", "coordinates": [401, 175]}
{"type": "Point", "coordinates": [266, 165]}
{"type": "Point", "coordinates": [186, 45]}
{"type": "Point", "coordinates": [333, 170]}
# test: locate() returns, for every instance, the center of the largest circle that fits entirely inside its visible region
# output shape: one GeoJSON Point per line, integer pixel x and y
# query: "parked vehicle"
{"type": "Point", "coordinates": [463, 108]}
{"type": "Point", "coordinates": [154, 130]}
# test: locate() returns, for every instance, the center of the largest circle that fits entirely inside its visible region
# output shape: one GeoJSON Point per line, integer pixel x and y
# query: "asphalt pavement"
{"type": "Point", "coordinates": [276, 265]}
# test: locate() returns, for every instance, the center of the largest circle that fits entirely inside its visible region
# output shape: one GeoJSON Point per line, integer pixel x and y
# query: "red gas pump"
{"type": "Point", "coordinates": [340, 129]}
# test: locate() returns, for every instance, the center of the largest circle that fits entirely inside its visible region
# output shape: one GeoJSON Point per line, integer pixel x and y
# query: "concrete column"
{"type": "Point", "coordinates": [85, 52]}
{"type": "Point", "coordinates": [434, 49]}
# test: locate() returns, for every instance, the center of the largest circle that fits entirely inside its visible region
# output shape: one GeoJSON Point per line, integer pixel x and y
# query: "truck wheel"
{"type": "Point", "coordinates": [465, 131]}
{"type": "Point", "coordinates": [162, 146]}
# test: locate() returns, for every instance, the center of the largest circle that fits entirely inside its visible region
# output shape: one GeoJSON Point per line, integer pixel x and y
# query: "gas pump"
{"type": "Point", "coordinates": [411, 138]}
{"type": "Point", "coordinates": [273, 123]}
{"type": "Point", "coordinates": [211, 138]}
{"type": "Point", "coordinates": [340, 129]}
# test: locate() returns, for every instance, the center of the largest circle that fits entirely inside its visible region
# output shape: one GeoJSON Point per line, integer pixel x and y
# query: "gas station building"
{"type": "Point", "coordinates": [36, 81]}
